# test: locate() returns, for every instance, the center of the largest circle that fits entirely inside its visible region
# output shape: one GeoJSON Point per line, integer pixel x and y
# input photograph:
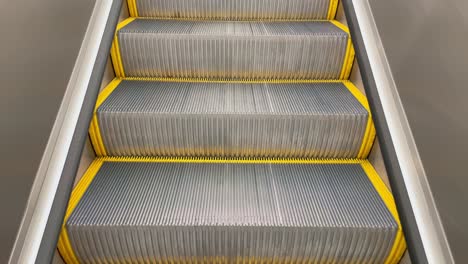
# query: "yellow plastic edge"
{"type": "Point", "coordinates": [230, 160]}
{"type": "Point", "coordinates": [369, 134]}
{"type": "Point", "coordinates": [239, 19]}
{"type": "Point", "coordinates": [132, 8]}
{"type": "Point", "coordinates": [348, 66]}
{"type": "Point", "coordinates": [115, 49]}
{"type": "Point", "coordinates": [64, 246]}
{"type": "Point", "coordinates": [114, 59]}
{"type": "Point", "coordinates": [94, 131]}
{"type": "Point", "coordinates": [399, 244]}
{"type": "Point", "coordinates": [206, 80]}
{"type": "Point", "coordinates": [350, 52]}
{"type": "Point", "coordinates": [332, 9]}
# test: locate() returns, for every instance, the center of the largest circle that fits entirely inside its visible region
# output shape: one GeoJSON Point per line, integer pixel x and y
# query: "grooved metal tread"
{"type": "Point", "coordinates": [289, 120]}
{"type": "Point", "coordinates": [237, 10]}
{"type": "Point", "coordinates": [152, 211]}
{"type": "Point", "coordinates": [232, 49]}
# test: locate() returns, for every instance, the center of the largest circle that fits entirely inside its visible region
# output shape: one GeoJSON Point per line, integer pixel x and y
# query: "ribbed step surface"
{"type": "Point", "coordinates": [185, 212]}
{"type": "Point", "coordinates": [237, 10]}
{"type": "Point", "coordinates": [235, 50]}
{"type": "Point", "coordinates": [305, 120]}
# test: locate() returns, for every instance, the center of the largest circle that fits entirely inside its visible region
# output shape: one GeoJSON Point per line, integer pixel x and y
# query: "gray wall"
{"type": "Point", "coordinates": [39, 44]}
{"type": "Point", "coordinates": [426, 42]}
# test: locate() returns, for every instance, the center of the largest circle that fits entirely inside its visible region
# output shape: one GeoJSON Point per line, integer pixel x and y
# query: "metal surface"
{"type": "Point", "coordinates": [40, 43]}
{"type": "Point", "coordinates": [316, 120]}
{"type": "Point", "coordinates": [426, 50]}
{"type": "Point", "coordinates": [221, 49]}
{"type": "Point", "coordinates": [234, 10]}
{"type": "Point", "coordinates": [418, 193]}
{"type": "Point", "coordinates": [188, 211]}
{"type": "Point", "coordinates": [50, 169]}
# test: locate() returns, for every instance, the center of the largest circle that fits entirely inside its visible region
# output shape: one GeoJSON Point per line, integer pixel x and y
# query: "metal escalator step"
{"type": "Point", "coordinates": [281, 120]}
{"type": "Point", "coordinates": [229, 49]}
{"type": "Point", "coordinates": [124, 211]}
{"type": "Point", "coordinates": [235, 10]}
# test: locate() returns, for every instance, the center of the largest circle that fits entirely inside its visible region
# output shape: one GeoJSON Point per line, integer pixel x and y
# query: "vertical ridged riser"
{"type": "Point", "coordinates": [234, 50]}
{"type": "Point", "coordinates": [237, 10]}
{"type": "Point", "coordinates": [166, 211]}
{"type": "Point", "coordinates": [316, 120]}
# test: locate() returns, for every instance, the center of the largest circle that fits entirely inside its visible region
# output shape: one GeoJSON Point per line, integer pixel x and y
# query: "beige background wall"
{"type": "Point", "coordinates": [426, 42]}
{"type": "Point", "coordinates": [39, 44]}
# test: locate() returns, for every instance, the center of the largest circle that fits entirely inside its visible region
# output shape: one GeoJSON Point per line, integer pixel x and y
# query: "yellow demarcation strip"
{"type": "Point", "coordinates": [332, 9]}
{"type": "Point", "coordinates": [132, 8]}
{"type": "Point", "coordinates": [94, 131]}
{"type": "Point", "coordinates": [399, 244]}
{"type": "Point", "coordinates": [238, 19]}
{"type": "Point", "coordinates": [348, 65]}
{"type": "Point", "coordinates": [246, 81]}
{"type": "Point", "coordinates": [64, 246]}
{"type": "Point", "coordinates": [369, 134]}
{"type": "Point", "coordinates": [230, 160]}
{"type": "Point", "coordinates": [115, 49]}
{"type": "Point", "coordinates": [350, 53]}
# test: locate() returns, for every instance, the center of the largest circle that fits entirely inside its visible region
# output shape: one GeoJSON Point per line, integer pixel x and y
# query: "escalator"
{"type": "Point", "coordinates": [232, 131]}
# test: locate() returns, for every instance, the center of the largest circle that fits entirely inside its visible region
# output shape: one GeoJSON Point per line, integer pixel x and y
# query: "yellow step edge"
{"type": "Point", "coordinates": [236, 20]}
{"type": "Point", "coordinates": [64, 246]}
{"type": "Point", "coordinates": [226, 80]}
{"type": "Point", "coordinates": [230, 160]}
{"type": "Point", "coordinates": [369, 134]}
{"type": "Point", "coordinates": [333, 6]}
{"type": "Point", "coordinates": [132, 8]}
{"type": "Point", "coordinates": [350, 52]}
{"type": "Point", "coordinates": [94, 130]}
{"type": "Point", "coordinates": [116, 58]}
{"type": "Point", "coordinates": [399, 244]}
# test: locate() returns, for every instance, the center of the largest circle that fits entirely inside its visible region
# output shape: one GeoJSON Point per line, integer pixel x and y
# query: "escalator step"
{"type": "Point", "coordinates": [235, 10]}
{"type": "Point", "coordinates": [228, 119]}
{"type": "Point", "coordinates": [151, 211]}
{"type": "Point", "coordinates": [234, 50]}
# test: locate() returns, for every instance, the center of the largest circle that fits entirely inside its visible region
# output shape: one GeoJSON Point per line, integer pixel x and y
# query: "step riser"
{"type": "Point", "coordinates": [232, 136]}
{"type": "Point", "coordinates": [234, 50]}
{"type": "Point", "coordinates": [317, 120]}
{"type": "Point", "coordinates": [237, 10]}
{"type": "Point", "coordinates": [178, 211]}
{"type": "Point", "coordinates": [210, 244]}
